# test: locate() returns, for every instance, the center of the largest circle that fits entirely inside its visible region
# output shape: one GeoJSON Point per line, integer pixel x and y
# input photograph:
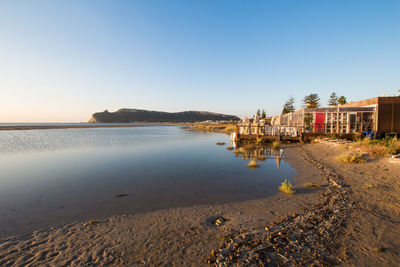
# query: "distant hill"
{"type": "Point", "coordinates": [138, 115]}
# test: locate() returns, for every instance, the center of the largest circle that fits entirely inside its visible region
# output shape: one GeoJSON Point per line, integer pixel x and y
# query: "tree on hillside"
{"type": "Point", "coordinates": [263, 114]}
{"type": "Point", "coordinates": [258, 113]}
{"type": "Point", "coordinates": [288, 106]}
{"type": "Point", "coordinates": [311, 101]}
{"type": "Point", "coordinates": [342, 100]}
{"type": "Point", "coordinates": [333, 100]}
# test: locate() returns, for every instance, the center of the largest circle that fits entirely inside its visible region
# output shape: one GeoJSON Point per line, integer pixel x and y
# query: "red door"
{"type": "Point", "coordinates": [319, 122]}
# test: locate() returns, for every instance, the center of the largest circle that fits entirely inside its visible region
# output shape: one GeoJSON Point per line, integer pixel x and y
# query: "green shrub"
{"type": "Point", "coordinates": [286, 187]}
{"type": "Point", "coordinates": [355, 158]}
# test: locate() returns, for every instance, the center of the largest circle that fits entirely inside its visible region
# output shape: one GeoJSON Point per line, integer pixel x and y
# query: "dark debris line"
{"type": "Point", "coordinates": [298, 239]}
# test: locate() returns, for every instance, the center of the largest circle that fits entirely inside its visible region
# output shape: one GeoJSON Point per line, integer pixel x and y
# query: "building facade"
{"type": "Point", "coordinates": [379, 114]}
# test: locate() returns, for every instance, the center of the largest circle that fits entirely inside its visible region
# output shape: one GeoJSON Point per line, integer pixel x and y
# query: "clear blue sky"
{"type": "Point", "coordinates": [60, 61]}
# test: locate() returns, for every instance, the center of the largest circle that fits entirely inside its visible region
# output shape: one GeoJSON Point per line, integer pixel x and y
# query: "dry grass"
{"type": "Point", "coordinates": [392, 145]}
{"type": "Point", "coordinates": [379, 148]}
{"type": "Point", "coordinates": [376, 151]}
{"type": "Point", "coordinates": [312, 185]}
{"type": "Point", "coordinates": [225, 128]}
{"type": "Point", "coordinates": [374, 186]}
{"type": "Point", "coordinates": [370, 186]}
{"type": "Point", "coordinates": [91, 222]}
{"type": "Point", "coordinates": [230, 128]}
{"type": "Point", "coordinates": [286, 187]}
{"type": "Point", "coordinates": [354, 159]}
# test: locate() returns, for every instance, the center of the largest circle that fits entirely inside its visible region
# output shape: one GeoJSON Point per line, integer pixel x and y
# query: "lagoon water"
{"type": "Point", "coordinates": [53, 177]}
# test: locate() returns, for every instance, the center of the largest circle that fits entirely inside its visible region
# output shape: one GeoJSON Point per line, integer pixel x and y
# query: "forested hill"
{"type": "Point", "coordinates": [136, 115]}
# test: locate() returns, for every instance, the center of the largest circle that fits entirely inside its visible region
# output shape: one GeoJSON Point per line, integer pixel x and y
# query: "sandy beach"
{"type": "Point", "coordinates": [370, 235]}
{"type": "Point", "coordinates": [189, 237]}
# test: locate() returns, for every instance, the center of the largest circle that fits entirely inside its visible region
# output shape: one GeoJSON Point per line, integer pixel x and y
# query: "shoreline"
{"type": "Point", "coordinates": [303, 239]}
{"type": "Point", "coordinates": [47, 127]}
{"type": "Point", "coordinates": [355, 223]}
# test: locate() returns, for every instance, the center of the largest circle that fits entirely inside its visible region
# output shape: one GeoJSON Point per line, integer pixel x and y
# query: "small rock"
{"type": "Point", "coordinates": [213, 253]}
{"type": "Point", "coordinates": [379, 249]}
{"type": "Point", "coordinates": [91, 222]}
{"type": "Point", "coordinates": [218, 222]}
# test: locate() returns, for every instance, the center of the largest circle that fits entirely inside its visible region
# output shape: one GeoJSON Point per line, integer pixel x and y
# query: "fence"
{"type": "Point", "coordinates": [267, 130]}
{"type": "Point", "coordinates": [321, 128]}
{"type": "Point", "coordinates": [344, 128]}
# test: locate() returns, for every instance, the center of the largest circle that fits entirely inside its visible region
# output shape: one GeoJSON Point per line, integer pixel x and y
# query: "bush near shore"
{"type": "Point", "coordinates": [286, 187]}
{"type": "Point", "coordinates": [351, 158]}
{"type": "Point", "coordinates": [208, 127]}
{"type": "Point", "coordinates": [382, 147]}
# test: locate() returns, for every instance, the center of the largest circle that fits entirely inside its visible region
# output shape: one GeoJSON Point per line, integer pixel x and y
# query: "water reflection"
{"type": "Point", "coordinates": [257, 153]}
{"type": "Point", "coordinates": [53, 177]}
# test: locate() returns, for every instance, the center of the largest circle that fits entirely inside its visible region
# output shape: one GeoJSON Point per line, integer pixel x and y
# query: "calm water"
{"type": "Point", "coordinates": [76, 124]}
{"type": "Point", "coordinates": [51, 177]}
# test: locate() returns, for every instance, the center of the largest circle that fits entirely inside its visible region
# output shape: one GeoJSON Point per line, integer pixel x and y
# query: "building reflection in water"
{"type": "Point", "coordinates": [254, 152]}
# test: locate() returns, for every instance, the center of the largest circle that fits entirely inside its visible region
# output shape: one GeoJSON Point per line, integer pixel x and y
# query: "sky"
{"type": "Point", "coordinates": [61, 61]}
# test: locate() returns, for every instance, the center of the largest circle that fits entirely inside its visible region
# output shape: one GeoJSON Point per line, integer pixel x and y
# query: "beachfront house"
{"type": "Point", "coordinates": [379, 114]}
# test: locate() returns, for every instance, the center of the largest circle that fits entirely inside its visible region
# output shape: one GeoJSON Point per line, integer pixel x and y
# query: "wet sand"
{"type": "Point", "coordinates": [186, 236]}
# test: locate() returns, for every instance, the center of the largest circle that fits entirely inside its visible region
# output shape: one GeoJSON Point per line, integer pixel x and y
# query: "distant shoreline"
{"type": "Point", "coordinates": [47, 127]}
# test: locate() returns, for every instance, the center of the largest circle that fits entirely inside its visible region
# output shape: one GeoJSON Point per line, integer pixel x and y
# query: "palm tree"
{"type": "Point", "coordinates": [342, 100]}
